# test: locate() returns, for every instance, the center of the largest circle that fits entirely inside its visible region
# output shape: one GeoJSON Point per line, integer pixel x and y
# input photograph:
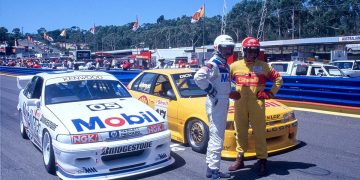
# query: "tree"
{"type": "Point", "coordinates": [17, 33]}
{"type": "Point", "coordinates": [3, 34]}
{"type": "Point", "coordinates": [160, 19]}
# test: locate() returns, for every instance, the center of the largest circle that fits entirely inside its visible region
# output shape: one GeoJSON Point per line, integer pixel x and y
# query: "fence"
{"type": "Point", "coordinates": [124, 76]}
{"type": "Point", "coordinates": [329, 90]}
{"type": "Point", "coordinates": [337, 91]}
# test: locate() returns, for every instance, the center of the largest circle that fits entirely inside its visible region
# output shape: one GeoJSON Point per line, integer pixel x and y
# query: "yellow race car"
{"type": "Point", "coordinates": [174, 95]}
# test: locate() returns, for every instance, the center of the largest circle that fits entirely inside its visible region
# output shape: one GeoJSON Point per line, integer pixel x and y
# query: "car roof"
{"type": "Point", "coordinates": [59, 74]}
{"type": "Point", "coordinates": [345, 60]}
{"type": "Point", "coordinates": [170, 71]}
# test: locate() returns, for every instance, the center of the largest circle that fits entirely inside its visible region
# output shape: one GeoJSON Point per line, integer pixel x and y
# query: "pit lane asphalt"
{"type": "Point", "coordinates": [329, 149]}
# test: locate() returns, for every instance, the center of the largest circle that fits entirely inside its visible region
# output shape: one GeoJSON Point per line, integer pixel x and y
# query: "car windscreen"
{"type": "Point", "coordinates": [344, 65]}
{"type": "Point", "coordinates": [84, 90]}
{"type": "Point", "coordinates": [333, 71]}
{"type": "Point", "coordinates": [186, 85]}
{"type": "Point", "coordinates": [280, 67]}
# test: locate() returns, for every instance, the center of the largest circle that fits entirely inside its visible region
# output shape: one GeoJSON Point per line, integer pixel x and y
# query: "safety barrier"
{"type": "Point", "coordinates": [124, 76]}
{"type": "Point", "coordinates": [337, 91]}
{"type": "Point", "coordinates": [329, 90]}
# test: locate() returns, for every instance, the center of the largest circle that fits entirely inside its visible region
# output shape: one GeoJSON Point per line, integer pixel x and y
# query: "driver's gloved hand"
{"type": "Point", "coordinates": [212, 93]}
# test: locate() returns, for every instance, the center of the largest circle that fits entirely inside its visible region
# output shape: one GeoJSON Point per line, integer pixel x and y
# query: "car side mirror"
{"type": "Point", "coordinates": [33, 102]}
{"type": "Point", "coordinates": [170, 93]}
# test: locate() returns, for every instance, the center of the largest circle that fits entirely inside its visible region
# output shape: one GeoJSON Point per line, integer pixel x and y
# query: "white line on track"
{"type": "Point", "coordinates": [1, 74]}
{"type": "Point", "coordinates": [327, 112]}
{"type": "Point", "coordinates": [177, 147]}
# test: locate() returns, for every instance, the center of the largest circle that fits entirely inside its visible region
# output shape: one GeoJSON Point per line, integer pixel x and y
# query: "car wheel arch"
{"type": "Point", "coordinates": [50, 168]}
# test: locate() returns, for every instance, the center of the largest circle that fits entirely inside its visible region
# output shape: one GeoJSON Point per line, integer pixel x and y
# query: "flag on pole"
{"type": "Point", "coordinates": [198, 14]}
{"type": "Point", "coordinates": [63, 33]}
{"type": "Point", "coordinates": [30, 38]}
{"type": "Point", "coordinates": [136, 25]}
{"type": "Point", "coordinates": [93, 29]}
{"type": "Point", "coordinates": [47, 37]}
{"type": "Point", "coordinates": [50, 38]}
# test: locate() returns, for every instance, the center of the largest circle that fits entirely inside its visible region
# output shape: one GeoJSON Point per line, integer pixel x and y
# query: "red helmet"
{"type": "Point", "coordinates": [251, 44]}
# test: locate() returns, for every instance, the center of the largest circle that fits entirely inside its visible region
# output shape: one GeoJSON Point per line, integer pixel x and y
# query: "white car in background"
{"type": "Point", "coordinates": [349, 67]}
{"type": "Point", "coordinates": [299, 68]}
{"type": "Point", "coordinates": [88, 126]}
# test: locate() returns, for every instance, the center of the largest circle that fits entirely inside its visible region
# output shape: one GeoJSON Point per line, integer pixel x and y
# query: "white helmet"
{"type": "Point", "coordinates": [224, 45]}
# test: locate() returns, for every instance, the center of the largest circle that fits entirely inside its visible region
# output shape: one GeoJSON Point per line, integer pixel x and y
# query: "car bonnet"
{"type": "Point", "coordinates": [104, 115]}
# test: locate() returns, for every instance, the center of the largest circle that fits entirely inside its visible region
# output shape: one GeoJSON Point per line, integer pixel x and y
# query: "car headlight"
{"type": "Point", "coordinates": [289, 116]}
{"type": "Point", "coordinates": [292, 115]}
{"type": "Point", "coordinates": [64, 138]}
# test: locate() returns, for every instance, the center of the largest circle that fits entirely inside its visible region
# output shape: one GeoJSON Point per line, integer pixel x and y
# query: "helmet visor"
{"type": "Point", "coordinates": [226, 50]}
{"type": "Point", "coordinates": [255, 50]}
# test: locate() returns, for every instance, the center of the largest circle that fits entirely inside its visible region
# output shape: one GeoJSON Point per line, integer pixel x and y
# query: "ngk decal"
{"type": "Point", "coordinates": [84, 138]}
{"type": "Point", "coordinates": [155, 128]}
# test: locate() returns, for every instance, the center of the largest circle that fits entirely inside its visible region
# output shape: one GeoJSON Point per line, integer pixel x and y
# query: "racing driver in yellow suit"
{"type": "Point", "coordinates": [250, 75]}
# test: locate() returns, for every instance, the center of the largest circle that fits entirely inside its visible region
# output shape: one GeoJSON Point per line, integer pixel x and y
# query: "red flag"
{"type": "Point", "coordinates": [136, 25]}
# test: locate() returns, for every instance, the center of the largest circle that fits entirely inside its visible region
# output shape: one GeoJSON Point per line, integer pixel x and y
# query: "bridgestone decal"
{"type": "Point", "coordinates": [125, 149]}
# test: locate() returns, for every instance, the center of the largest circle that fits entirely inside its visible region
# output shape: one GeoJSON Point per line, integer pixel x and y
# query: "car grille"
{"type": "Point", "coordinates": [270, 123]}
{"type": "Point", "coordinates": [113, 157]}
{"type": "Point", "coordinates": [127, 167]}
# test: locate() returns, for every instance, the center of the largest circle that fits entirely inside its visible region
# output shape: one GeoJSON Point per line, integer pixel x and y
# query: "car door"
{"type": "Point", "coordinates": [31, 111]}
{"type": "Point", "coordinates": [163, 104]}
{"type": "Point", "coordinates": [150, 88]}
{"type": "Point", "coordinates": [141, 88]}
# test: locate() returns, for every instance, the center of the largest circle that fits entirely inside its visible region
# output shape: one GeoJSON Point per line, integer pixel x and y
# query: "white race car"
{"type": "Point", "coordinates": [89, 127]}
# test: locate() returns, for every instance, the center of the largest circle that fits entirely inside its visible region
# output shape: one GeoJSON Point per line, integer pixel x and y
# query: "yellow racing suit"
{"type": "Point", "coordinates": [250, 79]}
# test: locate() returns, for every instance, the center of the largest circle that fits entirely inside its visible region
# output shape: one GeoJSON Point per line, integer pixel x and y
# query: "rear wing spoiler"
{"type": "Point", "coordinates": [22, 81]}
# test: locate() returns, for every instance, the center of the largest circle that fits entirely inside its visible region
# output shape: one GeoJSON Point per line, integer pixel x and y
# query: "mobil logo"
{"type": "Point", "coordinates": [95, 121]}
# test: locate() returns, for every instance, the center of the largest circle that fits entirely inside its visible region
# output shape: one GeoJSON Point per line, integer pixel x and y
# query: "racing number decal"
{"type": "Point", "coordinates": [103, 106]}
{"type": "Point", "coordinates": [161, 108]}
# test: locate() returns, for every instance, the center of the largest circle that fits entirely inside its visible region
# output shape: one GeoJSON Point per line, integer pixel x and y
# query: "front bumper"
{"type": "Point", "coordinates": [96, 161]}
{"type": "Point", "coordinates": [278, 137]}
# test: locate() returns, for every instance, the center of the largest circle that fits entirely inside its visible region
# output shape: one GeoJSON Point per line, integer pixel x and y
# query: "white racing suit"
{"type": "Point", "coordinates": [215, 74]}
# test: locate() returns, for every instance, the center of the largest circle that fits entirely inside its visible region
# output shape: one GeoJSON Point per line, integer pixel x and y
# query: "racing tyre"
{"type": "Point", "coordinates": [22, 127]}
{"type": "Point", "coordinates": [197, 134]}
{"type": "Point", "coordinates": [48, 153]}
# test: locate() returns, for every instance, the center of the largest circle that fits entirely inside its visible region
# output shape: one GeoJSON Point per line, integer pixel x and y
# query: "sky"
{"type": "Point", "coordinates": [30, 15]}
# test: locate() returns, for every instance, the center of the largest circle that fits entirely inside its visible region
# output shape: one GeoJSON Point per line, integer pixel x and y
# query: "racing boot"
{"type": "Point", "coordinates": [216, 174]}
{"type": "Point", "coordinates": [262, 167]}
{"type": "Point", "coordinates": [238, 164]}
{"type": "Point", "coordinates": [208, 172]}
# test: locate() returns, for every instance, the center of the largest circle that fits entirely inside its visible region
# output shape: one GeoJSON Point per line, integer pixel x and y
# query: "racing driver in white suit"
{"type": "Point", "coordinates": [214, 78]}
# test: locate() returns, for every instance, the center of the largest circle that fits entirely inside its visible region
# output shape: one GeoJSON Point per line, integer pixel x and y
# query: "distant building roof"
{"type": "Point", "coordinates": [171, 53]}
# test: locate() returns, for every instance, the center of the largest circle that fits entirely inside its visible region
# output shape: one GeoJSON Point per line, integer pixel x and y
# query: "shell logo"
{"type": "Point", "coordinates": [144, 99]}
